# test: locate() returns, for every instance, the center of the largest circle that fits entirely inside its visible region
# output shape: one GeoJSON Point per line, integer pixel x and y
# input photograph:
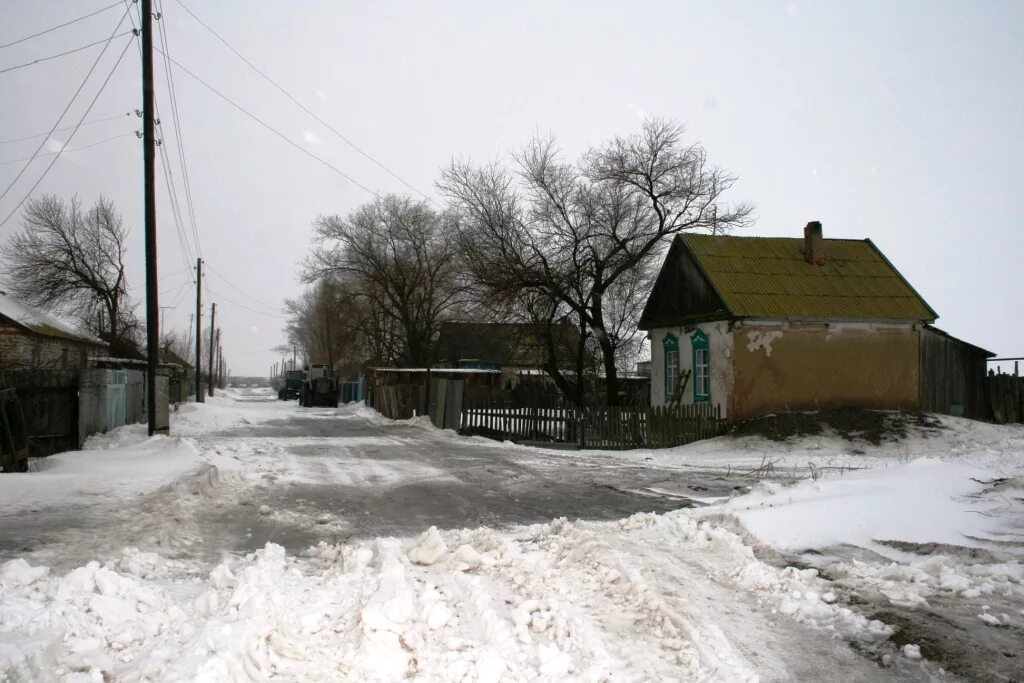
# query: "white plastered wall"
{"type": "Point", "coordinates": [720, 344]}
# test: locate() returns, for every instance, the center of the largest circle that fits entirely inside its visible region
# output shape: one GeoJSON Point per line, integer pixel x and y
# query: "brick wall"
{"type": "Point", "coordinates": [20, 350]}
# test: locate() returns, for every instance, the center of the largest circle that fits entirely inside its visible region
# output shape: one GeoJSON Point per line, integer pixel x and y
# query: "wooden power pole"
{"type": "Point", "coordinates": [220, 359]}
{"type": "Point", "coordinates": [213, 326]}
{"type": "Point", "coordinates": [200, 396]}
{"type": "Point", "coordinates": [149, 176]}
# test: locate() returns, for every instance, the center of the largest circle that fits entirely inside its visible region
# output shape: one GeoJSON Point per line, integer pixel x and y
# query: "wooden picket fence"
{"type": "Point", "coordinates": [506, 420]}
{"type": "Point", "coordinates": [672, 426]}
{"type": "Point", "coordinates": [609, 428]}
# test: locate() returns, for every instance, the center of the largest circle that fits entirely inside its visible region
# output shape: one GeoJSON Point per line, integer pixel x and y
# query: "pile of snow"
{"type": "Point", "coordinates": [119, 465]}
{"type": "Point", "coordinates": [562, 601]}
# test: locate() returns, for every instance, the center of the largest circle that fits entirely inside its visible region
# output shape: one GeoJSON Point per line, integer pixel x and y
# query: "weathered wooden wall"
{"type": "Point", "coordinates": [1005, 398]}
{"type": "Point", "coordinates": [49, 402]}
{"type": "Point", "coordinates": [952, 376]}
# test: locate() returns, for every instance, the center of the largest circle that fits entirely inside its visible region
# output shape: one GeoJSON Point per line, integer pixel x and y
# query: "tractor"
{"type": "Point", "coordinates": [319, 388]}
{"type": "Point", "coordinates": [293, 380]}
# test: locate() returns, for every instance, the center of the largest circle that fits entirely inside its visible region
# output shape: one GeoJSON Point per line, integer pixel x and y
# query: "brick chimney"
{"type": "Point", "coordinates": [814, 244]}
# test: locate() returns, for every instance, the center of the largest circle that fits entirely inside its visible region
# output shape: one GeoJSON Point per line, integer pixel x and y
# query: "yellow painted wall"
{"type": "Point", "coordinates": [808, 365]}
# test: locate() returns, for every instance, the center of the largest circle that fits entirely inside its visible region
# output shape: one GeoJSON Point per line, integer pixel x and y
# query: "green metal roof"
{"type": "Point", "coordinates": [768, 277]}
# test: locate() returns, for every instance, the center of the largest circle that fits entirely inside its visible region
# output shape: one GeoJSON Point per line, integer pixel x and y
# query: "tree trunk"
{"type": "Point", "coordinates": [113, 321]}
{"type": "Point", "coordinates": [611, 377]}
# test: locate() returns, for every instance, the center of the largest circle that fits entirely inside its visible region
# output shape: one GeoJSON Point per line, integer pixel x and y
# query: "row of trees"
{"type": "Point", "coordinates": [71, 261]}
{"type": "Point", "coordinates": [537, 240]}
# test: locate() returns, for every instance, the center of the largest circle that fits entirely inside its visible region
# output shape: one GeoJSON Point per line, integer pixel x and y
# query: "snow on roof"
{"type": "Point", "coordinates": [39, 321]}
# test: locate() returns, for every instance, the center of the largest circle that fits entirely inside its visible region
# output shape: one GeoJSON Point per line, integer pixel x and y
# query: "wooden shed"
{"type": "Point", "coordinates": [952, 375]}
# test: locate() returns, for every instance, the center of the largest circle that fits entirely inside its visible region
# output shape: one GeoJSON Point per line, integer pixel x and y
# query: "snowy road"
{"type": "Point", "coordinates": [269, 542]}
{"type": "Point", "coordinates": [364, 480]}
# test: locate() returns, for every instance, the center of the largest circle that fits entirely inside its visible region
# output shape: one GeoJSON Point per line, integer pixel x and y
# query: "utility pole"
{"type": "Point", "coordinates": [213, 326]}
{"type": "Point", "coordinates": [293, 356]}
{"type": "Point", "coordinates": [149, 175]}
{"type": "Point", "coordinates": [220, 357]}
{"type": "Point", "coordinates": [200, 397]}
{"type": "Point", "coordinates": [162, 309]}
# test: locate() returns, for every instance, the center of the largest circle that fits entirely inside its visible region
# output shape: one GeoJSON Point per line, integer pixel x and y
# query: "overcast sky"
{"type": "Point", "coordinates": [902, 122]}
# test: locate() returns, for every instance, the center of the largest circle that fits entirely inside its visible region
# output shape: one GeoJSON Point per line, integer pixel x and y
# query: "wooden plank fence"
{"type": "Point", "coordinates": [603, 428]}
{"type": "Point", "coordinates": [49, 402]}
{"type": "Point", "coordinates": [398, 401]}
{"type": "Point", "coordinates": [1005, 395]}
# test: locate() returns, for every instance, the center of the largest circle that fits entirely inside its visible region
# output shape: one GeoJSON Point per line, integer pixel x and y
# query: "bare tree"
{"type": "Point", "coordinates": [584, 234]}
{"type": "Point", "coordinates": [400, 260]}
{"type": "Point", "coordinates": [72, 261]}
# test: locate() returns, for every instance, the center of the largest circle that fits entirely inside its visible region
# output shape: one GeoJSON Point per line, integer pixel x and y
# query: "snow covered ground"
{"type": "Point", "coordinates": [811, 559]}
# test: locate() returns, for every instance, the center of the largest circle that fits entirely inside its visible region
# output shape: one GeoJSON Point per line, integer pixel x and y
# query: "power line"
{"type": "Point", "coordinates": [172, 190]}
{"type": "Point", "coordinates": [304, 107]}
{"type": "Point", "coordinates": [76, 149]}
{"type": "Point", "coordinates": [269, 127]}
{"type": "Point", "coordinates": [57, 156]}
{"type": "Point", "coordinates": [221, 297]}
{"type": "Point", "coordinates": [172, 193]}
{"type": "Point", "coordinates": [236, 288]}
{"type": "Point", "coordinates": [177, 272]}
{"type": "Point", "coordinates": [64, 113]}
{"type": "Point", "coordinates": [185, 251]}
{"type": "Point", "coordinates": [67, 23]}
{"type": "Point", "coordinates": [61, 130]}
{"type": "Point", "coordinates": [61, 54]}
{"type": "Point", "coordinates": [178, 137]}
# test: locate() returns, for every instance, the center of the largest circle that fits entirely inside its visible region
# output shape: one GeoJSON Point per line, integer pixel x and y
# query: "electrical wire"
{"type": "Point", "coordinates": [171, 187]}
{"type": "Point", "coordinates": [178, 136]}
{"type": "Point", "coordinates": [174, 289]}
{"type": "Point", "coordinates": [177, 292]}
{"type": "Point", "coordinates": [61, 130]}
{"type": "Point", "coordinates": [238, 289]}
{"type": "Point", "coordinates": [64, 113]}
{"type": "Point", "coordinates": [177, 272]}
{"type": "Point", "coordinates": [76, 149]}
{"type": "Point", "coordinates": [186, 252]}
{"type": "Point", "coordinates": [62, 54]}
{"type": "Point", "coordinates": [302, 106]}
{"type": "Point", "coordinates": [221, 297]}
{"type": "Point", "coordinates": [67, 23]}
{"type": "Point", "coordinates": [57, 156]}
{"type": "Point", "coordinates": [269, 127]}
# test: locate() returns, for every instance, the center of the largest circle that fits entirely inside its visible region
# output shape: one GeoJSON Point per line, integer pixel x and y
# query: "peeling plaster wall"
{"type": "Point", "coordinates": [795, 366]}
{"type": "Point", "coordinates": [720, 345]}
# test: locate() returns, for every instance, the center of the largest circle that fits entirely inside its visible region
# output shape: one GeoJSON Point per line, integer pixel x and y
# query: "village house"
{"type": "Point", "coordinates": [515, 350]}
{"type": "Point", "coordinates": [31, 339]}
{"type": "Point", "coordinates": [771, 324]}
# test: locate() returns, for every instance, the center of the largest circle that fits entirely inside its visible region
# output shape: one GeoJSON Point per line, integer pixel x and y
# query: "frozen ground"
{"type": "Point", "coordinates": [264, 541]}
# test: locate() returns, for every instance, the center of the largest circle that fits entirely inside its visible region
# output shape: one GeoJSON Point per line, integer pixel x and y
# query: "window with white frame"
{"type": "Point", "coordinates": [671, 348]}
{"type": "Point", "coordinates": [701, 367]}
